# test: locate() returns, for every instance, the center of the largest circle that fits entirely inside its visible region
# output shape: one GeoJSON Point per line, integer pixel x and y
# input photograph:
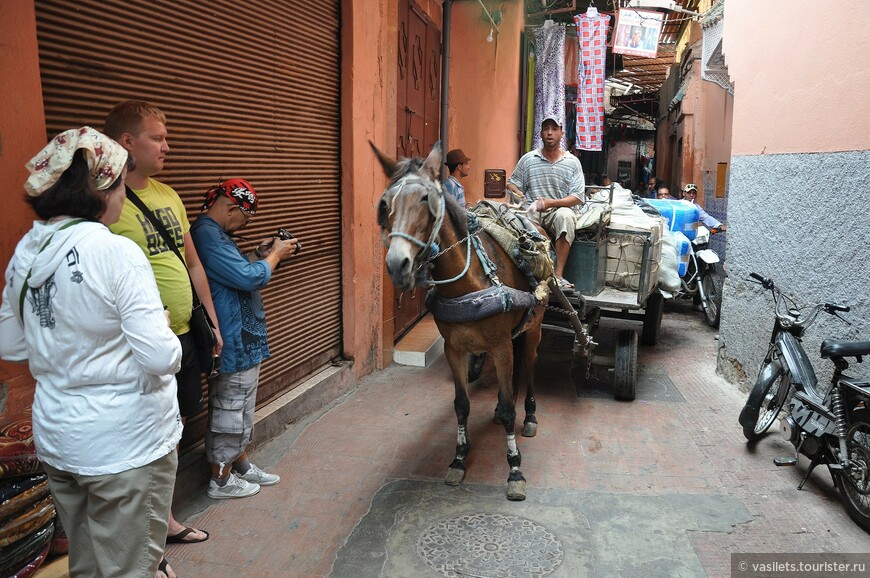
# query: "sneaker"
{"type": "Point", "coordinates": [235, 487]}
{"type": "Point", "coordinates": [257, 476]}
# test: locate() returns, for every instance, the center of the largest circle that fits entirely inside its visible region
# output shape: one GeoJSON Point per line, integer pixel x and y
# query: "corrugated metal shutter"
{"type": "Point", "coordinates": [250, 89]}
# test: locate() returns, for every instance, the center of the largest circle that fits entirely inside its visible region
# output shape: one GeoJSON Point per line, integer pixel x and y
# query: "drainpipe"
{"type": "Point", "coordinates": [445, 73]}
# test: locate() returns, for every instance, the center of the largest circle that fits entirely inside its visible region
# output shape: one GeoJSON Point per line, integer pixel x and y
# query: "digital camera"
{"type": "Point", "coordinates": [286, 235]}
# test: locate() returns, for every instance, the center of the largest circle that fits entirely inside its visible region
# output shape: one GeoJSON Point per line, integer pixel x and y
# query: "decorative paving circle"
{"type": "Point", "coordinates": [491, 546]}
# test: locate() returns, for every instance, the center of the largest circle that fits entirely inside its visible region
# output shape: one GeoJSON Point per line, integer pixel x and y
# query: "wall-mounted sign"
{"type": "Point", "coordinates": [494, 183]}
{"type": "Point", "coordinates": [623, 173]}
{"type": "Point", "coordinates": [637, 32]}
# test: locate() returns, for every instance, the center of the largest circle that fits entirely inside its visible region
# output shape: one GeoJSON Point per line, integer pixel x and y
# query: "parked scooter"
{"type": "Point", "coordinates": [831, 428]}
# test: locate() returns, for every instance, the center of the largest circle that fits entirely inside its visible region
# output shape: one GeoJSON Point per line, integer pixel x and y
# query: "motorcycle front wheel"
{"type": "Point", "coordinates": [853, 482]}
{"type": "Point", "coordinates": [764, 403]}
{"type": "Point", "coordinates": [713, 292]}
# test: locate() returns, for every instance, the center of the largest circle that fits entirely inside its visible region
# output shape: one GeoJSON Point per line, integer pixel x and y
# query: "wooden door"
{"type": "Point", "coordinates": [418, 110]}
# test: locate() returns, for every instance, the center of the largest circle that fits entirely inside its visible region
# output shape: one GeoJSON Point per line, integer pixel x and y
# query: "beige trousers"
{"type": "Point", "coordinates": [117, 523]}
{"type": "Point", "coordinates": [558, 221]}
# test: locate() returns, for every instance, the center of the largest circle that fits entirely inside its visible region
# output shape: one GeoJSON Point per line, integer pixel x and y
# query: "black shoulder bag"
{"type": "Point", "coordinates": [201, 324]}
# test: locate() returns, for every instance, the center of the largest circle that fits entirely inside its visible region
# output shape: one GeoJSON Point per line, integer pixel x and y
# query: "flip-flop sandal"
{"type": "Point", "coordinates": [179, 537]}
{"type": "Point", "coordinates": [162, 567]}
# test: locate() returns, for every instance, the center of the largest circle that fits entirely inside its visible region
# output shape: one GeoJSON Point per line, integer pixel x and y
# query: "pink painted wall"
{"type": "Point", "coordinates": [717, 121]}
{"type": "Point", "coordinates": [706, 129]}
{"type": "Point", "coordinates": [483, 116]}
{"type": "Point", "coordinates": [22, 135]}
{"type": "Point", "coordinates": [368, 113]}
{"type": "Point", "coordinates": [22, 122]}
{"type": "Point", "coordinates": [800, 74]}
{"type": "Point", "coordinates": [703, 120]}
{"type": "Point", "coordinates": [369, 78]}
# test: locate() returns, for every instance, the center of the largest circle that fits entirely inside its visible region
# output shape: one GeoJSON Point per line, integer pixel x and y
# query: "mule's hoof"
{"type": "Point", "coordinates": [454, 476]}
{"type": "Point", "coordinates": [530, 428]}
{"type": "Point", "coordinates": [516, 491]}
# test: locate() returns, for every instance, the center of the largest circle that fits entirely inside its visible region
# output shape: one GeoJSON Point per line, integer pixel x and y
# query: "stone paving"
{"type": "Point", "coordinates": [661, 486]}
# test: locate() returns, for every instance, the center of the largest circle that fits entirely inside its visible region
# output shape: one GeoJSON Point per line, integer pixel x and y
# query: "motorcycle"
{"type": "Point", "coordinates": [832, 427]}
{"type": "Point", "coordinates": [702, 280]}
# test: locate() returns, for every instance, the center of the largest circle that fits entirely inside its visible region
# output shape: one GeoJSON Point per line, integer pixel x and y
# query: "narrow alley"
{"type": "Point", "coordinates": [661, 486]}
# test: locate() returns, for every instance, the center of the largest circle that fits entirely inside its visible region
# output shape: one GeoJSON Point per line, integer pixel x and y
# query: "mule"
{"type": "Point", "coordinates": [417, 220]}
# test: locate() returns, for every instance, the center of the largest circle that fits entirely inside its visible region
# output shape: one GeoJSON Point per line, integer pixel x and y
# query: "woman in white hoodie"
{"type": "Point", "coordinates": [81, 306]}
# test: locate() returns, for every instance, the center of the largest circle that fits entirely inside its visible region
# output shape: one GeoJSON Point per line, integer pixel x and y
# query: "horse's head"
{"type": "Point", "coordinates": [410, 212]}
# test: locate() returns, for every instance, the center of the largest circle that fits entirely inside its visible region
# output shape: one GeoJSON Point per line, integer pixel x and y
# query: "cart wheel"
{"type": "Point", "coordinates": [652, 318]}
{"type": "Point", "coordinates": [625, 371]}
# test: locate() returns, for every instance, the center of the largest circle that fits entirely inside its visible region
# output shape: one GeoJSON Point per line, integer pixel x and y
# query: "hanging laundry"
{"type": "Point", "coordinates": [592, 39]}
{"type": "Point", "coordinates": [549, 77]}
{"type": "Point", "coordinates": [571, 121]}
{"type": "Point", "coordinates": [530, 106]}
{"type": "Point", "coordinates": [571, 64]}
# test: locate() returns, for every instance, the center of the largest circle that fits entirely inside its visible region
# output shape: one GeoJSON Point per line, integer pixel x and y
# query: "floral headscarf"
{"type": "Point", "coordinates": [106, 159]}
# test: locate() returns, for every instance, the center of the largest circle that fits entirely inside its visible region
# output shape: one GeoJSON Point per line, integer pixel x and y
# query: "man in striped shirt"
{"type": "Point", "coordinates": [551, 181]}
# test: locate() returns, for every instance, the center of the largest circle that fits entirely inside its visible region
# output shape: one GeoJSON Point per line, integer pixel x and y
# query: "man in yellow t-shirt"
{"type": "Point", "coordinates": [141, 129]}
{"type": "Point", "coordinates": [169, 271]}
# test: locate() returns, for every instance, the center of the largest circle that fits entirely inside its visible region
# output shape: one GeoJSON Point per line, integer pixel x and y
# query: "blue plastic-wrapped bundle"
{"type": "Point", "coordinates": [682, 216]}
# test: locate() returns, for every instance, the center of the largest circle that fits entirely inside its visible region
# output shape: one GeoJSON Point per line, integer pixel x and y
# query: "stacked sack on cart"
{"type": "Point", "coordinates": [29, 528]}
{"type": "Point", "coordinates": [628, 231]}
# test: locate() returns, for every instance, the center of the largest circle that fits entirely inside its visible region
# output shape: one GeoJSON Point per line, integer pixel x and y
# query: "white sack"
{"type": "Point", "coordinates": [669, 276]}
{"type": "Point", "coordinates": [625, 251]}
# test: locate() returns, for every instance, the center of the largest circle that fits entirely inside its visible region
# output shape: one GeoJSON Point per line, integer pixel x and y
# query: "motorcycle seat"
{"type": "Point", "coordinates": [831, 348]}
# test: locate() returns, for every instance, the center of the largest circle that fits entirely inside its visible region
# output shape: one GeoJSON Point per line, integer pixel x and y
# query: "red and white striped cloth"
{"type": "Point", "coordinates": [592, 44]}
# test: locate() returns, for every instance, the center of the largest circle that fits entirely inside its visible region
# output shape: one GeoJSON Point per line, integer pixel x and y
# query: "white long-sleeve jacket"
{"type": "Point", "coordinates": [92, 327]}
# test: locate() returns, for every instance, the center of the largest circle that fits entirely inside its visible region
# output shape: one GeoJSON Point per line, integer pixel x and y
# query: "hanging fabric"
{"type": "Point", "coordinates": [571, 63]}
{"type": "Point", "coordinates": [592, 40]}
{"type": "Point", "coordinates": [571, 120]}
{"type": "Point", "coordinates": [530, 106]}
{"type": "Point", "coordinates": [549, 77]}
{"type": "Point", "coordinates": [713, 67]}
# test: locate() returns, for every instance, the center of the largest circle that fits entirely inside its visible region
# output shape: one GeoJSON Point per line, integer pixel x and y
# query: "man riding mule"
{"type": "Point", "coordinates": [429, 243]}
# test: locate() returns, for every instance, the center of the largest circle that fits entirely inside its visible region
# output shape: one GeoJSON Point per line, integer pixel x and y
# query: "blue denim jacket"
{"type": "Point", "coordinates": [235, 286]}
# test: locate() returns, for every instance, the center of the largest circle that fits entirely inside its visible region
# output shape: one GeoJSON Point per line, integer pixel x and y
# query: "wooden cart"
{"type": "Point", "coordinates": [637, 304]}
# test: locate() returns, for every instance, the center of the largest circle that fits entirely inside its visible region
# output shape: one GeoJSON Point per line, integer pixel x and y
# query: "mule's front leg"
{"type": "Point", "coordinates": [459, 366]}
{"type": "Point", "coordinates": [506, 414]}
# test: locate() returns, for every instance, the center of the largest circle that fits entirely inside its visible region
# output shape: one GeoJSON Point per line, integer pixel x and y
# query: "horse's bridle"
{"type": "Point", "coordinates": [430, 251]}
